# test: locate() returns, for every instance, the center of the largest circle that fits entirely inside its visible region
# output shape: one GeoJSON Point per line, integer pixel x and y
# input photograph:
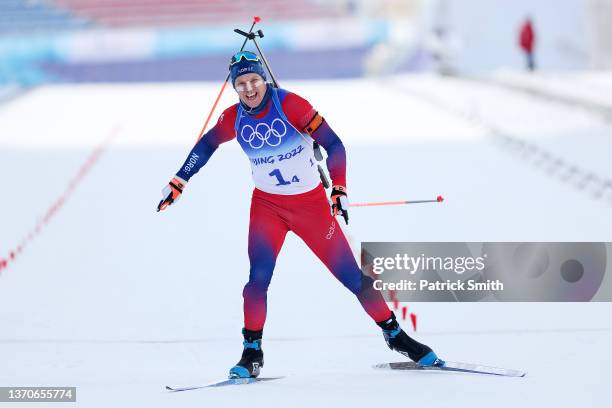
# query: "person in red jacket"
{"type": "Point", "coordinates": [527, 42]}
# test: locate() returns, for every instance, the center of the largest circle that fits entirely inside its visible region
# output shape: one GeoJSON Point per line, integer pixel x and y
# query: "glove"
{"type": "Point", "coordinates": [340, 203]}
{"type": "Point", "coordinates": [171, 193]}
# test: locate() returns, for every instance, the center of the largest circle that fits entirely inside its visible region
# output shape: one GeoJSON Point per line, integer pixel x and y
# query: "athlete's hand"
{"type": "Point", "coordinates": [171, 193]}
{"type": "Point", "coordinates": [340, 203]}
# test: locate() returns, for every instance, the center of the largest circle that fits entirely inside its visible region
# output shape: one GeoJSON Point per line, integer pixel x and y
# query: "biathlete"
{"type": "Point", "coordinates": [276, 129]}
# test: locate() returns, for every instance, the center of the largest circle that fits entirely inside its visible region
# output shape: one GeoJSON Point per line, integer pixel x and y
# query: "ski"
{"type": "Point", "coordinates": [230, 381]}
{"type": "Point", "coordinates": [456, 367]}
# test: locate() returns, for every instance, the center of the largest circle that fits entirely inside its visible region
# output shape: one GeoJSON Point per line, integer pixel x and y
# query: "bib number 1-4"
{"type": "Point", "coordinates": [281, 180]}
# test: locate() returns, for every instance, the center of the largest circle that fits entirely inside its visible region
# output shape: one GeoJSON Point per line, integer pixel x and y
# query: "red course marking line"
{"type": "Point", "coordinates": [59, 203]}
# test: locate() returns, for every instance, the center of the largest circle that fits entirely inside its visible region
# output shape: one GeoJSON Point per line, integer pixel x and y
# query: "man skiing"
{"type": "Point", "coordinates": [276, 129]}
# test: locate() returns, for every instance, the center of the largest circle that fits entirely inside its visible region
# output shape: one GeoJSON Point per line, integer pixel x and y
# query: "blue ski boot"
{"type": "Point", "coordinates": [399, 341]}
{"type": "Point", "coordinates": [252, 356]}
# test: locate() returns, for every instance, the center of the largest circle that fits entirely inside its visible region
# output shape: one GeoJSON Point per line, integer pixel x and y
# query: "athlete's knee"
{"type": "Point", "coordinates": [366, 284]}
{"type": "Point", "coordinates": [352, 279]}
{"type": "Point", "coordinates": [259, 278]}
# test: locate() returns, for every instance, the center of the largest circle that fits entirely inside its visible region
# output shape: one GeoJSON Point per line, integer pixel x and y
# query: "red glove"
{"type": "Point", "coordinates": [340, 202]}
{"type": "Point", "coordinates": [171, 193]}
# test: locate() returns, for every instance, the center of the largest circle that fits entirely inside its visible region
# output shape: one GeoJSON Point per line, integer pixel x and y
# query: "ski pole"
{"type": "Point", "coordinates": [256, 19]}
{"type": "Point", "coordinates": [438, 199]}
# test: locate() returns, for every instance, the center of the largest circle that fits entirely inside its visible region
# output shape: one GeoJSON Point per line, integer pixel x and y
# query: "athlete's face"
{"type": "Point", "coordinates": [251, 89]}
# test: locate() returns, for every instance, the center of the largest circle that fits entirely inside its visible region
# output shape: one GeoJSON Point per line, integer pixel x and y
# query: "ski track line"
{"type": "Point", "coordinates": [57, 205]}
{"type": "Point", "coordinates": [592, 107]}
{"type": "Point", "coordinates": [596, 186]}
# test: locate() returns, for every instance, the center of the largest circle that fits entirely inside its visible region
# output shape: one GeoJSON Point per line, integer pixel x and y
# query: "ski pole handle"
{"type": "Point", "coordinates": [250, 35]}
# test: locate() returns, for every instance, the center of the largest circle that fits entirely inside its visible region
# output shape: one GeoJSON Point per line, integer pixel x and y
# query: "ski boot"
{"type": "Point", "coordinates": [252, 356]}
{"type": "Point", "coordinates": [398, 340]}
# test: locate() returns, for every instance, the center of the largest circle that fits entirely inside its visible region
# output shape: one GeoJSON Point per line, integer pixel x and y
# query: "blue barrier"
{"type": "Point", "coordinates": [23, 58]}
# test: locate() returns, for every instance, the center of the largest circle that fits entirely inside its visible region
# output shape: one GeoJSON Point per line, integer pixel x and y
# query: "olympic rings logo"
{"type": "Point", "coordinates": [264, 134]}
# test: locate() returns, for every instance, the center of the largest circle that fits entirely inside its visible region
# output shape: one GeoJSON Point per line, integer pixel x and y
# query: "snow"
{"type": "Point", "coordinates": [119, 300]}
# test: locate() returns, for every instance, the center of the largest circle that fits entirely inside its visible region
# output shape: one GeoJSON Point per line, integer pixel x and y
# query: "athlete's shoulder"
{"type": "Point", "coordinates": [298, 110]}
{"type": "Point", "coordinates": [229, 115]}
{"type": "Point", "coordinates": [288, 97]}
{"type": "Point", "coordinates": [224, 129]}
{"type": "Point", "coordinates": [282, 93]}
